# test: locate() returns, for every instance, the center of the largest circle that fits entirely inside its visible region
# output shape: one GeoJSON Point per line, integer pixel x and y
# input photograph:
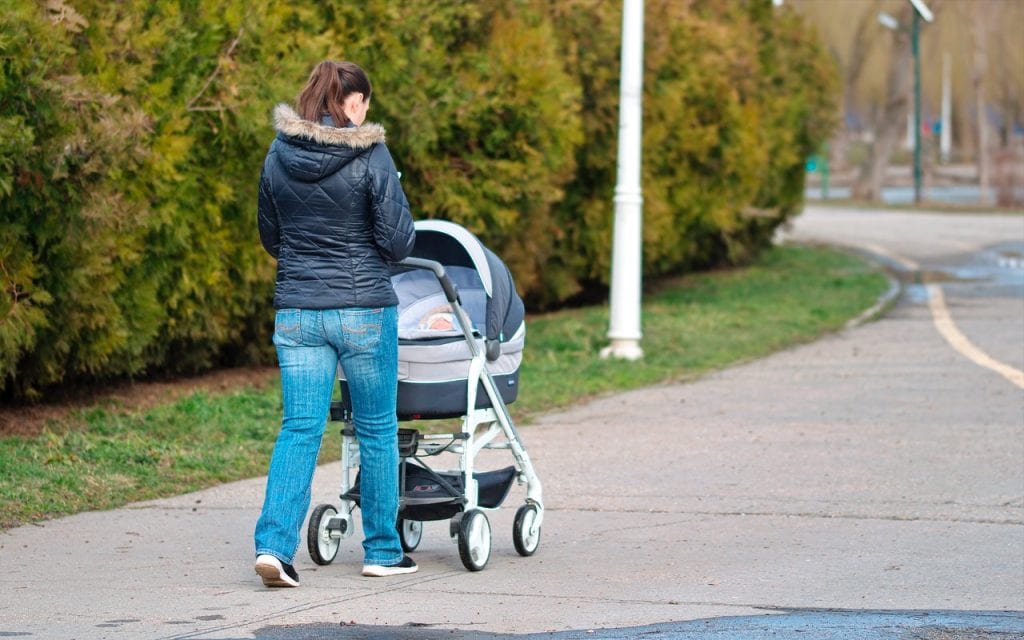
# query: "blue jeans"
{"type": "Point", "coordinates": [310, 345]}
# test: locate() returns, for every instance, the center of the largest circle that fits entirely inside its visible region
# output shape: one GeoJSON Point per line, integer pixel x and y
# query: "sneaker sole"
{"type": "Point", "coordinates": [274, 577]}
{"type": "Point", "coordinates": [378, 571]}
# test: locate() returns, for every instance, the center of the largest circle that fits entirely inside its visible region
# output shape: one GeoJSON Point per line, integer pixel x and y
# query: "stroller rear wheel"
{"type": "Point", "coordinates": [322, 540]}
{"type": "Point", "coordinates": [474, 539]}
{"type": "Point", "coordinates": [410, 532]}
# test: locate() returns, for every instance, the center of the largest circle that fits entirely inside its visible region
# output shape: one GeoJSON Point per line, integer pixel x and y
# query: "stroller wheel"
{"type": "Point", "coordinates": [474, 540]}
{"type": "Point", "coordinates": [525, 535]}
{"type": "Point", "coordinates": [410, 532]}
{"type": "Point", "coordinates": [322, 539]}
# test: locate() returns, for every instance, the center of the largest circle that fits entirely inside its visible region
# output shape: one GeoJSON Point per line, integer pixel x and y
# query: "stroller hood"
{"type": "Point", "coordinates": [454, 246]}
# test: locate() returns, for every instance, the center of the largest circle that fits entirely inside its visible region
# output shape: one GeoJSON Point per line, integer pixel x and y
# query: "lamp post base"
{"type": "Point", "coordinates": [623, 349]}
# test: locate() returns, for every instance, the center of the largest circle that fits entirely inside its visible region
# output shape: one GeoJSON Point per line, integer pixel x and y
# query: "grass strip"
{"type": "Point", "coordinates": [103, 458]}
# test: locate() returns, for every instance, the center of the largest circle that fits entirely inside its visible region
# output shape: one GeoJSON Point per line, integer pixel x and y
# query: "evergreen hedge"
{"type": "Point", "coordinates": [131, 136]}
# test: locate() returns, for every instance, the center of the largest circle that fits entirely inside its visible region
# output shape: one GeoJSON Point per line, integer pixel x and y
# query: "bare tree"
{"type": "Point", "coordinates": [864, 37]}
{"type": "Point", "coordinates": [980, 58]}
{"type": "Point", "coordinates": [892, 122]}
{"type": "Point", "coordinates": [982, 38]}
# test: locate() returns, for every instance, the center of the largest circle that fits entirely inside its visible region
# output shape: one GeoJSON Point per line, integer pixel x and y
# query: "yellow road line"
{"type": "Point", "coordinates": [944, 323]}
{"type": "Point", "coordinates": [947, 328]}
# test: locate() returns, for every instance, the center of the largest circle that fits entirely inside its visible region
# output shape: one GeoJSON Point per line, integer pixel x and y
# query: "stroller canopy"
{"type": "Point", "coordinates": [485, 285]}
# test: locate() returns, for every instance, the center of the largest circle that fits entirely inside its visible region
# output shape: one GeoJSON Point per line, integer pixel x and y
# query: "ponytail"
{"type": "Point", "coordinates": [328, 86]}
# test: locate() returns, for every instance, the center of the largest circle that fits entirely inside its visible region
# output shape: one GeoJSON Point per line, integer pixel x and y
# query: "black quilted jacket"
{"type": "Point", "coordinates": [333, 214]}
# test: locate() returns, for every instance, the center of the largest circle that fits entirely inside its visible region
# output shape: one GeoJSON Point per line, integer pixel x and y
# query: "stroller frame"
{"type": "Point", "coordinates": [481, 428]}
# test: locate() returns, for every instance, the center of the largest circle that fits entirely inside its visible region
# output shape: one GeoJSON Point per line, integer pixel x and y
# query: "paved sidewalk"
{"type": "Point", "coordinates": [869, 482]}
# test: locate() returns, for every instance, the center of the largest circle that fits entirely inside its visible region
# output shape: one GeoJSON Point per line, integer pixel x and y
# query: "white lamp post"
{"type": "Point", "coordinates": [946, 132]}
{"type": "Point", "coordinates": [624, 326]}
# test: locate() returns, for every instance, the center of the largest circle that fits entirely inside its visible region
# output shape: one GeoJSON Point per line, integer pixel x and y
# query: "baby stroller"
{"type": "Point", "coordinates": [461, 334]}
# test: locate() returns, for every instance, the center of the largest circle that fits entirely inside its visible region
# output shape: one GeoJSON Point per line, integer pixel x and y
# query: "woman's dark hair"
{"type": "Point", "coordinates": [329, 84]}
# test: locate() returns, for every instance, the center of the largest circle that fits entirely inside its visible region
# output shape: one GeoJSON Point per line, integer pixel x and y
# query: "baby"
{"type": "Point", "coordinates": [439, 318]}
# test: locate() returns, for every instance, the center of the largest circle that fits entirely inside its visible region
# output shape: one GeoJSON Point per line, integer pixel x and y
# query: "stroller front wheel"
{"type": "Point", "coordinates": [525, 532]}
{"type": "Point", "coordinates": [322, 536]}
{"type": "Point", "coordinates": [410, 532]}
{"type": "Point", "coordinates": [474, 540]}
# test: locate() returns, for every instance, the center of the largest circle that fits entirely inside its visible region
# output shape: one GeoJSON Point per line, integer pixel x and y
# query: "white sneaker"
{"type": "Point", "coordinates": [407, 565]}
{"type": "Point", "coordinates": [276, 573]}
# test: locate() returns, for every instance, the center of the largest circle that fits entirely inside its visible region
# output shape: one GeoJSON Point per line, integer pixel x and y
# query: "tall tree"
{"type": "Point", "coordinates": [979, 20]}
{"type": "Point", "coordinates": [892, 122]}
{"type": "Point", "coordinates": [864, 38]}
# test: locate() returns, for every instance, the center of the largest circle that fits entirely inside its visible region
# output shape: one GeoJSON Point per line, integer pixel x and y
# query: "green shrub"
{"type": "Point", "coordinates": [129, 226]}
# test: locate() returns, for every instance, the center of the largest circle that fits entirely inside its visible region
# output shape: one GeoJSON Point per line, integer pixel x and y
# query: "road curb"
{"type": "Point", "coordinates": [885, 301]}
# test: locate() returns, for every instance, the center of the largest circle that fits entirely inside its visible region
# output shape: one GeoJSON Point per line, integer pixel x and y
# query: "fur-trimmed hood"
{"type": "Point", "coordinates": [288, 122]}
{"type": "Point", "coordinates": [310, 151]}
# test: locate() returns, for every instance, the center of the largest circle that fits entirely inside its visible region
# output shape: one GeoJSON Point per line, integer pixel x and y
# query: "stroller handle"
{"type": "Point", "coordinates": [450, 291]}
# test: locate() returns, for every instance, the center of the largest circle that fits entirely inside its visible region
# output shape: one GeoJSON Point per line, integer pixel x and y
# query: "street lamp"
{"type": "Point", "coordinates": [627, 233]}
{"type": "Point", "coordinates": [921, 11]}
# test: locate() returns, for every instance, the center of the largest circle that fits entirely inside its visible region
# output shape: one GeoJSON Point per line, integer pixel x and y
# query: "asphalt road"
{"type": "Point", "coordinates": [867, 485]}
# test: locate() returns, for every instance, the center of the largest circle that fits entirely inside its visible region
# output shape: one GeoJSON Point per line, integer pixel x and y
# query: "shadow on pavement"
{"type": "Point", "coordinates": [816, 624]}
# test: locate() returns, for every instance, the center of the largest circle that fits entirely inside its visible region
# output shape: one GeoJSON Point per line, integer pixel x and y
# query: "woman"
{"type": "Point", "coordinates": [333, 214]}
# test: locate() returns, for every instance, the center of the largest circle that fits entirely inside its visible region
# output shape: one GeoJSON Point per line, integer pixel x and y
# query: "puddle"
{"type": "Point", "coordinates": [1010, 259]}
{"type": "Point", "coordinates": [916, 293]}
{"type": "Point", "coordinates": [996, 271]}
{"type": "Point", "coordinates": [960, 275]}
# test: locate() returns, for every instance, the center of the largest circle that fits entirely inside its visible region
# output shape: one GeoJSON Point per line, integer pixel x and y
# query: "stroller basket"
{"type": "Point", "coordinates": [431, 495]}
